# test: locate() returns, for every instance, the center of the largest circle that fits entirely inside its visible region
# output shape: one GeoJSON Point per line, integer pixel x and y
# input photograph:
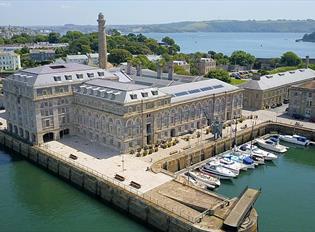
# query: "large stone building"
{"type": "Point", "coordinates": [38, 101]}
{"type": "Point", "coordinates": [9, 61]}
{"type": "Point", "coordinates": [113, 109]}
{"type": "Point", "coordinates": [272, 90]}
{"type": "Point", "coordinates": [302, 101]}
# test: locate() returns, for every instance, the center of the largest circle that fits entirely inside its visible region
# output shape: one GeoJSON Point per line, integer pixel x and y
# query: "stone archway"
{"type": "Point", "coordinates": [48, 137]}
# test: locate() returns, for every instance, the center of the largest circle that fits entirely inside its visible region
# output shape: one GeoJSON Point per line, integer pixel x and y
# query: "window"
{"type": "Point", "coordinates": [133, 96]}
{"type": "Point", "coordinates": [68, 77]}
{"type": "Point", "coordinates": [47, 123]}
{"type": "Point", "coordinates": [144, 94]}
{"type": "Point", "coordinates": [79, 76]}
{"type": "Point", "coordinates": [57, 78]}
{"type": "Point", "coordinates": [154, 92]}
{"type": "Point", "coordinates": [90, 75]}
{"type": "Point", "coordinates": [100, 74]}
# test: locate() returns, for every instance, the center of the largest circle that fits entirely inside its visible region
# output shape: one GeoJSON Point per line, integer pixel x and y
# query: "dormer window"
{"type": "Point", "coordinates": [154, 92]}
{"type": "Point", "coordinates": [100, 74]}
{"type": "Point", "coordinates": [57, 78]}
{"type": "Point", "coordinates": [68, 77]}
{"type": "Point", "coordinates": [79, 76]}
{"type": "Point", "coordinates": [133, 96]}
{"type": "Point", "coordinates": [90, 75]}
{"type": "Point", "coordinates": [144, 94]}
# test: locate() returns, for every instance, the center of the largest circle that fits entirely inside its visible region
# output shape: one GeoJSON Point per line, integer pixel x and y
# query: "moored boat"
{"type": "Point", "coordinates": [219, 171]}
{"type": "Point", "coordinates": [272, 145]}
{"type": "Point", "coordinates": [295, 139]}
{"type": "Point", "coordinates": [255, 151]}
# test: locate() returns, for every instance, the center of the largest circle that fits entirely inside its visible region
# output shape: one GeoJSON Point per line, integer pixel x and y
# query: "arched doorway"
{"type": "Point", "coordinates": [48, 137]}
{"type": "Point", "coordinates": [63, 133]}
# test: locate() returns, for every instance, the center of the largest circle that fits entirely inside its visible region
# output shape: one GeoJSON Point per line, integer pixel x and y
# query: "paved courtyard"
{"type": "Point", "coordinates": [108, 162]}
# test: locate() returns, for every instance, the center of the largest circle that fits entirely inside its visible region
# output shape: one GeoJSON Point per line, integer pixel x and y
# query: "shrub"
{"type": "Point", "coordinates": [139, 149]}
{"type": "Point", "coordinates": [174, 143]}
{"type": "Point", "coordinates": [132, 152]}
{"type": "Point", "coordinates": [176, 140]}
{"type": "Point", "coordinates": [198, 134]}
{"type": "Point", "coordinates": [156, 149]}
{"type": "Point", "coordinates": [138, 154]}
{"type": "Point", "coordinates": [145, 147]}
{"type": "Point", "coordinates": [145, 153]}
{"type": "Point", "coordinates": [151, 151]}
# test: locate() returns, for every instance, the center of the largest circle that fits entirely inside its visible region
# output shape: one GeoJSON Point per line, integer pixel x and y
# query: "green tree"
{"type": "Point", "coordinates": [169, 41]}
{"type": "Point", "coordinates": [180, 70]}
{"type": "Point", "coordinates": [53, 37]}
{"type": "Point", "coordinates": [119, 55]}
{"type": "Point", "coordinates": [80, 45]}
{"type": "Point", "coordinates": [242, 58]}
{"type": "Point", "coordinates": [2, 41]}
{"type": "Point", "coordinates": [290, 59]}
{"type": "Point", "coordinates": [219, 74]}
{"type": "Point", "coordinates": [41, 38]}
{"type": "Point", "coordinates": [220, 58]}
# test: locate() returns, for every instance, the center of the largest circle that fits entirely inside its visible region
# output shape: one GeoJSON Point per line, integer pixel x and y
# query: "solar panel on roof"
{"type": "Point", "coordinates": [206, 88]}
{"type": "Point", "coordinates": [217, 86]}
{"type": "Point", "coordinates": [194, 91]}
{"type": "Point", "coordinates": [180, 94]}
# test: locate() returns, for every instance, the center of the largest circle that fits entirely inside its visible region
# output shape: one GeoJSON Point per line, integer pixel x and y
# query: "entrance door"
{"type": "Point", "coordinates": [173, 133]}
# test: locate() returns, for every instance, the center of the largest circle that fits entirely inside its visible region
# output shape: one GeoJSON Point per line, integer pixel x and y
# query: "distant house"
{"type": "Point", "coordinates": [41, 55]}
{"type": "Point", "coordinates": [9, 61]}
{"type": "Point", "coordinates": [89, 58]}
{"type": "Point", "coordinates": [205, 65]}
{"type": "Point", "coordinates": [183, 64]}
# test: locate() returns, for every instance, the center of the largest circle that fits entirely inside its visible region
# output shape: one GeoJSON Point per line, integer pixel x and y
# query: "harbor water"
{"type": "Point", "coordinates": [33, 200]}
{"type": "Point", "coordinates": [262, 45]}
{"type": "Point", "coordinates": [287, 201]}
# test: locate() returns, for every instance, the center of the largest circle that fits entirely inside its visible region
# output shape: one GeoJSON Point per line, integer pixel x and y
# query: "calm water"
{"type": "Point", "coordinates": [262, 45]}
{"type": "Point", "coordinates": [33, 200]}
{"type": "Point", "coordinates": [287, 201]}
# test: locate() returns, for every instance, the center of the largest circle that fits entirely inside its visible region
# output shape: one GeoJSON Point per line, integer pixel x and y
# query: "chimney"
{"type": "Point", "coordinates": [139, 70]}
{"type": "Point", "coordinates": [128, 68]}
{"type": "Point", "coordinates": [170, 70]}
{"type": "Point", "coordinates": [102, 45]}
{"type": "Point", "coordinates": [307, 61]}
{"type": "Point", "coordinates": [159, 71]}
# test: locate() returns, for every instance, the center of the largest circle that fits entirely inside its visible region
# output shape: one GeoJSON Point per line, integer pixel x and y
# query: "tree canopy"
{"type": "Point", "coordinates": [219, 74]}
{"type": "Point", "coordinates": [290, 59]}
{"type": "Point", "coordinates": [242, 58]}
{"type": "Point", "coordinates": [119, 55]}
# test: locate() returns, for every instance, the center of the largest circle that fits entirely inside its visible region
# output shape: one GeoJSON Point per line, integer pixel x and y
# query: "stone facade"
{"type": "Point", "coordinates": [302, 101]}
{"type": "Point", "coordinates": [273, 90]}
{"type": "Point", "coordinates": [9, 61]}
{"type": "Point", "coordinates": [205, 65]}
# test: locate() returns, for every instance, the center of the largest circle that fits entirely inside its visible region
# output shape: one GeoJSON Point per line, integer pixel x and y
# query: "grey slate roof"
{"type": "Point", "coordinates": [276, 80]}
{"type": "Point", "coordinates": [193, 90]}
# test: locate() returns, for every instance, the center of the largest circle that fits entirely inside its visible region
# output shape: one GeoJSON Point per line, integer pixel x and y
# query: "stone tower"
{"type": "Point", "coordinates": [102, 45]}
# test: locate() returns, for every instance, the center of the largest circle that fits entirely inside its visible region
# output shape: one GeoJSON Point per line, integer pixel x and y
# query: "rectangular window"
{"type": "Point", "coordinates": [79, 76]}
{"type": "Point", "coordinates": [100, 74]}
{"type": "Point", "coordinates": [133, 96]}
{"type": "Point", "coordinates": [90, 75]}
{"type": "Point", "coordinates": [154, 92]}
{"type": "Point", "coordinates": [68, 77]}
{"type": "Point", "coordinates": [47, 123]}
{"type": "Point", "coordinates": [57, 78]}
{"type": "Point", "coordinates": [144, 94]}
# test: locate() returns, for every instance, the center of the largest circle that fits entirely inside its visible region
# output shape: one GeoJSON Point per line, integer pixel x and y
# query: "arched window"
{"type": "Point", "coordinates": [129, 127]}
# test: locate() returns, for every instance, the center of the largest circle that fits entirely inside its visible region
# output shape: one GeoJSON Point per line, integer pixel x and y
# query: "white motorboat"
{"type": "Point", "coordinates": [230, 164]}
{"type": "Point", "coordinates": [255, 151]}
{"type": "Point", "coordinates": [219, 171]}
{"type": "Point", "coordinates": [296, 139]}
{"type": "Point", "coordinates": [272, 145]}
{"type": "Point", "coordinates": [208, 179]}
{"type": "Point", "coordinates": [244, 160]}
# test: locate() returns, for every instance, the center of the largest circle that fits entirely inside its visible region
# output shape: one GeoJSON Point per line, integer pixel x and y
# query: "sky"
{"type": "Point", "coordinates": [60, 12]}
